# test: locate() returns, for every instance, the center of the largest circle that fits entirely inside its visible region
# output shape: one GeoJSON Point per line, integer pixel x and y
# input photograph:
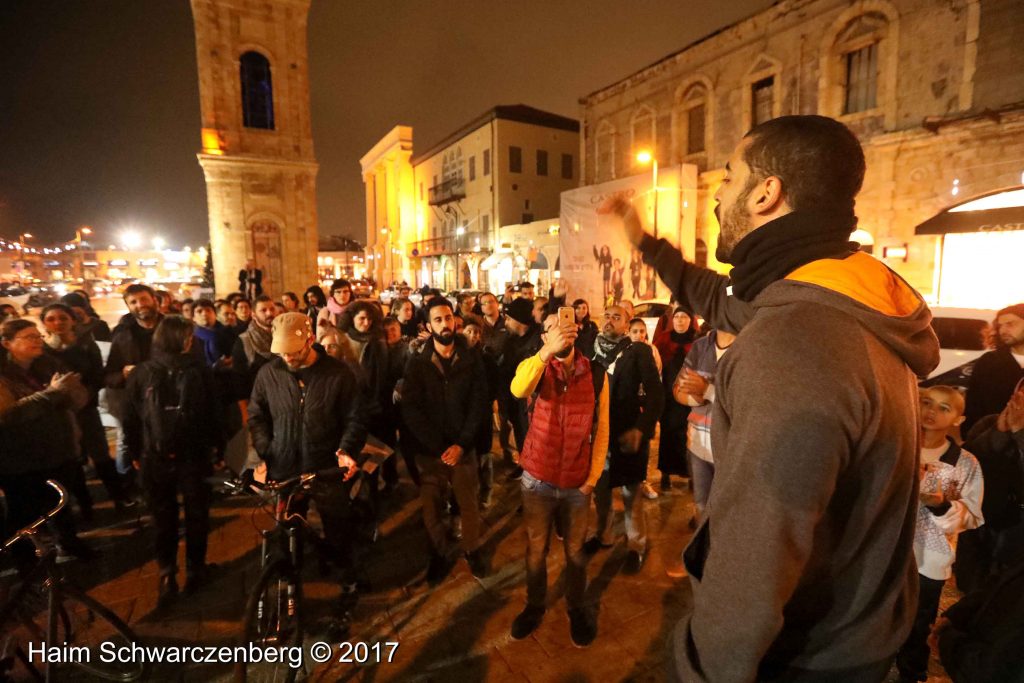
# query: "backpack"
{"type": "Point", "coordinates": [166, 406]}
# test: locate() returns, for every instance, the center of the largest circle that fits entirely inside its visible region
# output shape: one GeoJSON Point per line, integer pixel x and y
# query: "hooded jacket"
{"type": "Point", "coordinates": [808, 537]}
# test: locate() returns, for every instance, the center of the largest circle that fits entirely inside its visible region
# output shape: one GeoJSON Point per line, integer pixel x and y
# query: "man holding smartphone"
{"type": "Point", "coordinates": [562, 460]}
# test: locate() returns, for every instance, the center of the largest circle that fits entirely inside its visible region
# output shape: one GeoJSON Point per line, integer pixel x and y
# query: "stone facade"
{"type": "Point", "coordinates": [933, 89]}
{"type": "Point", "coordinates": [257, 142]}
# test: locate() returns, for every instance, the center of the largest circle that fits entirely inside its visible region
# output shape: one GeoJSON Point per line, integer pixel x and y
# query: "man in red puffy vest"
{"type": "Point", "coordinates": [562, 459]}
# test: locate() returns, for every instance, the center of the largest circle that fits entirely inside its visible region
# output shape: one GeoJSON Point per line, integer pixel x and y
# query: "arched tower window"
{"type": "Point", "coordinates": [257, 91]}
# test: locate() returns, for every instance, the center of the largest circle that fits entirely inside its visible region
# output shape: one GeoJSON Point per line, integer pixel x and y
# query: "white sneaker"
{"type": "Point", "coordinates": [649, 492]}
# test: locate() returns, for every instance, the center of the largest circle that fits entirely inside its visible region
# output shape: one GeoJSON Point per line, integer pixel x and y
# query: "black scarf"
{"type": "Point", "coordinates": [606, 350]}
{"type": "Point", "coordinates": [776, 249]}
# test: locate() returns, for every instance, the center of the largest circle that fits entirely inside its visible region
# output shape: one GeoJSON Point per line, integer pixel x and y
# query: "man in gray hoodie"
{"type": "Point", "coordinates": [802, 569]}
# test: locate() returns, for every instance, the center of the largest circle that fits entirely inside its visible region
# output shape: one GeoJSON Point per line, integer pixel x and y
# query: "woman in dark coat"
{"type": "Point", "coordinates": [38, 440]}
{"type": "Point", "coordinates": [81, 355]}
{"type": "Point", "coordinates": [172, 427]}
{"type": "Point", "coordinates": [673, 344]}
{"type": "Point", "coordinates": [315, 300]}
{"type": "Point", "coordinates": [587, 328]}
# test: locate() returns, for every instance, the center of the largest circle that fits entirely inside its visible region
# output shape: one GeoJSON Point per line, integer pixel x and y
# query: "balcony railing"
{"type": "Point", "coordinates": [450, 190]}
{"type": "Point", "coordinates": [452, 244]}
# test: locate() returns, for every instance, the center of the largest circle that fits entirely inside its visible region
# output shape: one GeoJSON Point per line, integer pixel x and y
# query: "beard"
{"type": "Point", "coordinates": [735, 224]}
{"type": "Point", "coordinates": [445, 338]}
{"type": "Point", "coordinates": [146, 313]}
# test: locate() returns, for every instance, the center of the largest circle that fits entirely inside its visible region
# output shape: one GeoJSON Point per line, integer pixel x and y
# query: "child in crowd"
{"type": "Point", "coordinates": [950, 502]}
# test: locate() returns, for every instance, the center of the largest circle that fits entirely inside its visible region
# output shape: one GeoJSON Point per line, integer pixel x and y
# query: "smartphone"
{"type": "Point", "coordinates": [566, 315]}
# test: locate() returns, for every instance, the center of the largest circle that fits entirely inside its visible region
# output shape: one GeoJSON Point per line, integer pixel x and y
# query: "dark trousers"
{"type": "Point", "coordinates": [543, 504]}
{"type": "Point", "coordinates": [435, 480]}
{"type": "Point", "coordinates": [345, 528]}
{"type": "Point", "coordinates": [162, 480]}
{"type": "Point", "coordinates": [912, 659]}
{"type": "Point", "coordinates": [96, 449]}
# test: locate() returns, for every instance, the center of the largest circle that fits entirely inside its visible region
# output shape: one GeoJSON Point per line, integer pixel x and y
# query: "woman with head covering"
{"type": "Point", "coordinates": [673, 344]}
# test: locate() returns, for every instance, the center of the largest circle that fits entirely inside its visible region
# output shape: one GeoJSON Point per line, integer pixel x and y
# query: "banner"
{"type": "Point", "coordinates": [596, 259]}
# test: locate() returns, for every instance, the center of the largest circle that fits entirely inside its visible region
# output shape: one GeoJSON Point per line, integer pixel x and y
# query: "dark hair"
{"type": "Point", "coordinates": [234, 296]}
{"type": "Point", "coordinates": [483, 294]}
{"type": "Point", "coordinates": [203, 303]}
{"type": "Point", "coordinates": [11, 328]}
{"type": "Point", "coordinates": [243, 300]}
{"type": "Point", "coordinates": [291, 295]}
{"type": "Point", "coordinates": [634, 321]}
{"type": "Point", "coordinates": [56, 307]}
{"type": "Point", "coordinates": [580, 301]}
{"type": "Point", "coordinates": [162, 294]}
{"type": "Point", "coordinates": [135, 289]}
{"type": "Point", "coordinates": [397, 306]}
{"type": "Point", "coordinates": [1015, 309]}
{"type": "Point", "coordinates": [189, 300]}
{"type": "Point", "coordinates": [221, 304]}
{"type": "Point", "coordinates": [172, 333]}
{"type": "Point", "coordinates": [263, 298]}
{"type": "Point", "coordinates": [438, 301]}
{"type": "Point", "coordinates": [463, 296]}
{"type": "Point", "coordinates": [340, 284]}
{"type": "Point", "coordinates": [819, 161]}
{"type": "Point", "coordinates": [318, 295]}
{"type": "Point", "coordinates": [390, 320]}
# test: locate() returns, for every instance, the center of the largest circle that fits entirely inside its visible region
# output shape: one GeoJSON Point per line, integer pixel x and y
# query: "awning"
{"type": "Point", "coordinates": [539, 263]}
{"type": "Point", "coordinates": [993, 212]}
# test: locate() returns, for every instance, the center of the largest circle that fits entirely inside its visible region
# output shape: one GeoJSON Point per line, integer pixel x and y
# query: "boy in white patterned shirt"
{"type": "Point", "coordinates": [950, 502]}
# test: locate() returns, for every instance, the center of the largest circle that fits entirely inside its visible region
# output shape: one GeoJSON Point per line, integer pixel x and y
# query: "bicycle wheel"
{"type": "Point", "coordinates": [82, 621]}
{"type": "Point", "coordinates": [273, 619]}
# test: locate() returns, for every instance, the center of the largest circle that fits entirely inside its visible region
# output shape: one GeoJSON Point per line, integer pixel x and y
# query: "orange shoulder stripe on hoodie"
{"type": "Point", "coordinates": [864, 279]}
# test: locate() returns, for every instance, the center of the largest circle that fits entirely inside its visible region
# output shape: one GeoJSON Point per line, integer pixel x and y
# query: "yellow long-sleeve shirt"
{"type": "Point", "coordinates": [528, 376]}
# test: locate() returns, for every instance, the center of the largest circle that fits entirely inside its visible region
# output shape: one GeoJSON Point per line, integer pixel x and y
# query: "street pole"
{"type": "Point", "coordinates": [654, 172]}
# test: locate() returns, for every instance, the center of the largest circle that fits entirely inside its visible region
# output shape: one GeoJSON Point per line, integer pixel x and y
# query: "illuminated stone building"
{"type": "Point", "coordinates": [934, 90]}
{"type": "Point", "coordinates": [433, 216]}
{"type": "Point", "coordinates": [257, 143]}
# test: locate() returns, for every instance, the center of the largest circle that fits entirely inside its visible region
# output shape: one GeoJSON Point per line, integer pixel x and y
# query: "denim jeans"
{"type": "Point", "coordinates": [636, 520]}
{"type": "Point", "coordinates": [543, 503]}
{"type": "Point", "coordinates": [702, 473]}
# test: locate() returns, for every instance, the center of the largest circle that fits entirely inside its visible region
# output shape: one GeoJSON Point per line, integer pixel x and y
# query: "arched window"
{"type": "Point", "coordinates": [257, 91]}
{"type": "Point", "coordinates": [689, 120]}
{"type": "Point", "coordinates": [859, 62]}
{"type": "Point", "coordinates": [644, 129]}
{"type": "Point", "coordinates": [604, 152]}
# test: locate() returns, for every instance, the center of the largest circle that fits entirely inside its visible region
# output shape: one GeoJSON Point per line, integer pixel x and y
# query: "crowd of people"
{"type": "Point", "coordinates": [829, 490]}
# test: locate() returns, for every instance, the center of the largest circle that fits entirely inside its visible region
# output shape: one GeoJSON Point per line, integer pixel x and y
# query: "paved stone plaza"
{"type": "Point", "coordinates": [456, 632]}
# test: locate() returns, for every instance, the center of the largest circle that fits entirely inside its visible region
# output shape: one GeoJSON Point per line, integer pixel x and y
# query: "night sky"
{"type": "Point", "coordinates": [99, 109]}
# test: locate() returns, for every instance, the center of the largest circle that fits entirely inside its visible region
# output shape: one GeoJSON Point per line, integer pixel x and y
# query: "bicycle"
{"type": "Point", "coordinates": [85, 632]}
{"type": "Point", "coordinates": [273, 613]}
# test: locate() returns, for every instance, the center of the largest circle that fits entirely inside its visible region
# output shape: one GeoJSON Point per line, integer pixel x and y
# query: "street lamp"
{"type": "Point", "coordinates": [159, 243]}
{"type": "Point", "coordinates": [130, 239]}
{"type": "Point", "coordinates": [645, 157]}
{"type": "Point", "coordinates": [84, 230]}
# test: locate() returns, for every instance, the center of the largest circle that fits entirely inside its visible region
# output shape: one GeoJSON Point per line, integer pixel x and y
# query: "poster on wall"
{"type": "Point", "coordinates": [596, 259]}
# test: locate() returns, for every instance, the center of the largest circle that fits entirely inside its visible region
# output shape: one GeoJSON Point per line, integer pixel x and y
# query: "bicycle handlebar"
{"type": "Point", "coordinates": [34, 526]}
{"type": "Point", "coordinates": [328, 474]}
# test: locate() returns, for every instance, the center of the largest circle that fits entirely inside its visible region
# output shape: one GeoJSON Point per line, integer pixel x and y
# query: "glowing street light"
{"type": "Point", "coordinates": [130, 239]}
{"type": "Point", "coordinates": [645, 157]}
{"type": "Point", "coordinates": [159, 243]}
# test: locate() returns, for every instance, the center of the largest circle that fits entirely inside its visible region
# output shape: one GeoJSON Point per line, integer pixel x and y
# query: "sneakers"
{"type": "Point", "coordinates": [582, 628]}
{"type": "Point", "coordinates": [676, 570]}
{"type": "Point", "coordinates": [477, 564]}
{"type": "Point", "coordinates": [634, 562]}
{"type": "Point", "coordinates": [167, 590]}
{"type": "Point", "coordinates": [527, 622]}
{"type": "Point", "coordinates": [438, 569]}
{"type": "Point", "coordinates": [649, 492]}
{"type": "Point", "coordinates": [593, 544]}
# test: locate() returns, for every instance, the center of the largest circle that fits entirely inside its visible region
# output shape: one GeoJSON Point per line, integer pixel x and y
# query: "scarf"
{"type": "Point", "coordinates": [779, 247]}
{"type": "Point", "coordinates": [606, 350]}
{"type": "Point", "coordinates": [208, 337]}
{"type": "Point", "coordinates": [256, 342]}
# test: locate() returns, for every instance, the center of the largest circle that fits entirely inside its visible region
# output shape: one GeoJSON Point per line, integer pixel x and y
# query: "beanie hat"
{"type": "Point", "coordinates": [520, 310]}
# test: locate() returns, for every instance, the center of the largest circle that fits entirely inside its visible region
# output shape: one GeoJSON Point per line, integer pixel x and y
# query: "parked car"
{"type": "Point", "coordinates": [962, 336]}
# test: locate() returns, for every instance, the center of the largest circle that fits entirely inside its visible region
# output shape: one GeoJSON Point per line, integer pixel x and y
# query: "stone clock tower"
{"type": "Point", "coordinates": [257, 143]}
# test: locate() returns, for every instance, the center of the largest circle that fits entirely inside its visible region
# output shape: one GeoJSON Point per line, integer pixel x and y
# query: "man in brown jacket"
{"type": "Point", "coordinates": [802, 569]}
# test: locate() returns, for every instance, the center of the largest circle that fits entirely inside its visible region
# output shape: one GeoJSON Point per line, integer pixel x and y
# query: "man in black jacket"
{"type": "Point", "coordinates": [636, 400]}
{"type": "Point", "coordinates": [307, 413]}
{"type": "Point", "coordinates": [129, 346]}
{"type": "Point", "coordinates": [997, 372]}
{"type": "Point", "coordinates": [444, 399]}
